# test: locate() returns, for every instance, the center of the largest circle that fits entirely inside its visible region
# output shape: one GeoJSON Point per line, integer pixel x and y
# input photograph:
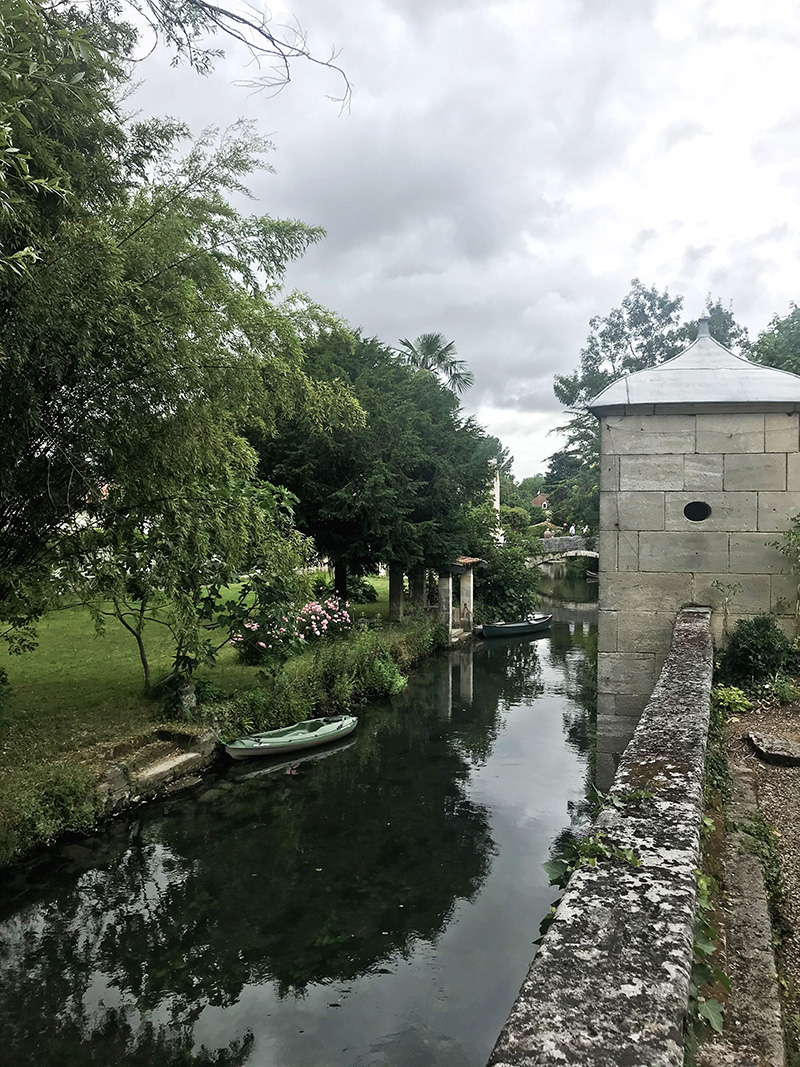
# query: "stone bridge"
{"type": "Point", "coordinates": [556, 549]}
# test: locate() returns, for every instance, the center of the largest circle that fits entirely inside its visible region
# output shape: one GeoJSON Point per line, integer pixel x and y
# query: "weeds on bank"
{"type": "Point", "coordinates": [44, 802]}
{"type": "Point", "coordinates": [335, 676]}
{"type": "Point", "coordinates": [761, 839]}
{"type": "Point", "coordinates": [709, 982]}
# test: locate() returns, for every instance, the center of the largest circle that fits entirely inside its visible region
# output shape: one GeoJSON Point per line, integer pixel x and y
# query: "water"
{"type": "Point", "coordinates": [374, 905]}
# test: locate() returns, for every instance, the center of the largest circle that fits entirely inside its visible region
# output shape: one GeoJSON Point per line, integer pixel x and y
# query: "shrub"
{"type": "Point", "coordinates": [730, 700]}
{"type": "Point", "coordinates": [508, 589]}
{"type": "Point", "coordinates": [784, 690]}
{"type": "Point", "coordinates": [270, 640]}
{"type": "Point", "coordinates": [275, 702]}
{"type": "Point", "coordinates": [325, 618]}
{"type": "Point", "coordinates": [758, 649]}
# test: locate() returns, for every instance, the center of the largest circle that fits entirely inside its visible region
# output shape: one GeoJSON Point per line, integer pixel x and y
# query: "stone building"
{"type": "Point", "coordinates": [700, 476]}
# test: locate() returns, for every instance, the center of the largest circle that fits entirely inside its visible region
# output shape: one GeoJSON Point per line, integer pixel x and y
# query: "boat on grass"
{"type": "Point", "coordinates": [300, 735]}
{"type": "Point", "coordinates": [532, 625]}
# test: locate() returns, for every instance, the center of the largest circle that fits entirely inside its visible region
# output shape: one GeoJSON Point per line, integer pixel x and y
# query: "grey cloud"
{"type": "Point", "coordinates": [473, 189]}
{"type": "Point", "coordinates": [685, 130]}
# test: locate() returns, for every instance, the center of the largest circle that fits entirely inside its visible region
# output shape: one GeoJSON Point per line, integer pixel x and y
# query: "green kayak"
{"type": "Point", "coordinates": [292, 738]}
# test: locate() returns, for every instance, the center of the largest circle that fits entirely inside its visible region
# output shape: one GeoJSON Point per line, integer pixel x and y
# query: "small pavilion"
{"type": "Point", "coordinates": [460, 617]}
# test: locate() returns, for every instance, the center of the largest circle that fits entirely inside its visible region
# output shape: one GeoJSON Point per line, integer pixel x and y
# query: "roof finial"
{"type": "Point", "coordinates": [702, 327]}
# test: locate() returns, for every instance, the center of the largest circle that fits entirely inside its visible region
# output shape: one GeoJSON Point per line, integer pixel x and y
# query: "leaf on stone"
{"type": "Point", "coordinates": [713, 1012]}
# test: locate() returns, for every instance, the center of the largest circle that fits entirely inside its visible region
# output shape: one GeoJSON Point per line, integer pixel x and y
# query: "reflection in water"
{"type": "Point", "coordinates": [374, 905]}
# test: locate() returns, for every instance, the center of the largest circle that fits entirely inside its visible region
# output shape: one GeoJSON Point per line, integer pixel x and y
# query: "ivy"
{"type": "Point", "coordinates": [583, 852]}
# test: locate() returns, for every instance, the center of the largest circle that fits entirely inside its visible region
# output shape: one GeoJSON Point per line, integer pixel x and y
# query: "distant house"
{"type": "Point", "coordinates": [540, 501]}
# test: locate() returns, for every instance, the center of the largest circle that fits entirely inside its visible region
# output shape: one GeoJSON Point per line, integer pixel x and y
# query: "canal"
{"type": "Point", "coordinates": [374, 905]}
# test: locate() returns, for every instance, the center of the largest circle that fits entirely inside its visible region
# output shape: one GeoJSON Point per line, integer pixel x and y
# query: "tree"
{"type": "Point", "coordinates": [185, 24]}
{"type": "Point", "coordinates": [174, 568]}
{"type": "Point", "coordinates": [431, 352]}
{"type": "Point", "coordinates": [573, 488]}
{"type": "Point", "coordinates": [779, 345]}
{"type": "Point", "coordinates": [508, 587]}
{"type": "Point", "coordinates": [643, 332]}
{"type": "Point", "coordinates": [395, 491]}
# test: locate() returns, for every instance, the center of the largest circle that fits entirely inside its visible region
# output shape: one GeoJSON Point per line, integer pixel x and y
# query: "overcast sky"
{"type": "Point", "coordinates": [507, 168]}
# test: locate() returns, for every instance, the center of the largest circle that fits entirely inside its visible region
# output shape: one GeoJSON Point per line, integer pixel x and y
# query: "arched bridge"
{"type": "Point", "coordinates": [555, 549]}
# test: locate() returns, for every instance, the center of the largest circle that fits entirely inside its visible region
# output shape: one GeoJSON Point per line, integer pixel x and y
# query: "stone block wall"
{"type": "Point", "coordinates": [745, 465]}
{"type": "Point", "coordinates": [610, 982]}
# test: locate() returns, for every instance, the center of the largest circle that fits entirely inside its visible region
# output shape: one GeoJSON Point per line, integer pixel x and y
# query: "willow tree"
{"type": "Point", "coordinates": [145, 335]}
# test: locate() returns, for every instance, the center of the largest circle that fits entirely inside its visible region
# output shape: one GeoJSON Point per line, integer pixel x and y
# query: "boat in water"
{"type": "Point", "coordinates": [300, 735]}
{"type": "Point", "coordinates": [532, 625]}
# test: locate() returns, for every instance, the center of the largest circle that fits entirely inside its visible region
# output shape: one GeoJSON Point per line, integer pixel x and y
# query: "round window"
{"type": "Point", "coordinates": [697, 511]}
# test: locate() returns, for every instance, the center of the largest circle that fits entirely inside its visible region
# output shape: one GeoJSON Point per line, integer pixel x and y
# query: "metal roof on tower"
{"type": "Point", "coordinates": [704, 373]}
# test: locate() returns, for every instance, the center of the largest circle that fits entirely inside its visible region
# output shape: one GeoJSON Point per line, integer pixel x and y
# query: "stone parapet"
{"type": "Point", "coordinates": [610, 983]}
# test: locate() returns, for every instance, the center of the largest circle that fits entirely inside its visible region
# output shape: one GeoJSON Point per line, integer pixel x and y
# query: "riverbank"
{"type": "Point", "coordinates": [80, 741]}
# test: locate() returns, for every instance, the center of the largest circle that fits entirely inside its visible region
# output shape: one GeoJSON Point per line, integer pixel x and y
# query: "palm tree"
{"type": "Point", "coordinates": [431, 352]}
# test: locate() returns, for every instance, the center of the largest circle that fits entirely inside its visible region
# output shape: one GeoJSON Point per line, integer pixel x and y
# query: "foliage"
{"type": "Point", "coordinates": [779, 345]}
{"type": "Point", "coordinates": [789, 546]}
{"type": "Point", "coordinates": [707, 1010]}
{"type": "Point", "coordinates": [704, 1009]}
{"type": "Point", "coordinates": [42, 804]}
{"type": "Point", "coordinates": [728, 590]}
{"type": "Point", "coordinates": [359, 590]}
{"type": "Point", "coordinates": [783, 689]}
{"type": "Point", "coordinates": [272, 639]}
{"type": "Point", "coordinates": [761, 839]}
{"type": "Point", "coordinates": [508, 588]}
{"type": "Point", "coordinates": [395, 490]}
{"type": "Point", "coordinates": [643, 331]}
{"type": "Point", "coordinates": [757, 650]}
{"type": "Point", "coordinates": [327, 618]}
{"type": "Point", "coordinates": [573, 486]}
{"type": "Point", "coordinates": [338, 675]}
{"type": "Point", "coordinates": [359, 670]}
{"type": "Point", "coordinates": [175, 571]}
{"type": "Point", "coordinates": [431, 352]}
{"type": "Point", "coordinates": [582, 852]}
{"type": "Point", "coordinates": [276, 700]}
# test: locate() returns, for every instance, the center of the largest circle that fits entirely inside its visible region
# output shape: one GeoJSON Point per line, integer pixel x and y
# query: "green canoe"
{"type": "Point", "coordinates": [292, 738]}
{"type": "Point", "coordinates": [532, 625]}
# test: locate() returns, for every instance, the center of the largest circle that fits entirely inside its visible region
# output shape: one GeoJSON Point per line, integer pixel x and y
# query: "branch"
{"type": "Point", "coordinates": [249, 27]}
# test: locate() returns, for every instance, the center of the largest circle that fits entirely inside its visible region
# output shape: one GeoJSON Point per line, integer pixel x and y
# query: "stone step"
{"type": "Point", "coordinates": [165, 770]}
{"type": "Point", "coordinates": [155, 764]}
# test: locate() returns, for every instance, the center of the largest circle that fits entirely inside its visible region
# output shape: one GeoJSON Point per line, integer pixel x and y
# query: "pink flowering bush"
{"type": "Point", "coordinates": [274, 638]}
{"type": "Point", "coordinates": [323, 618]}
